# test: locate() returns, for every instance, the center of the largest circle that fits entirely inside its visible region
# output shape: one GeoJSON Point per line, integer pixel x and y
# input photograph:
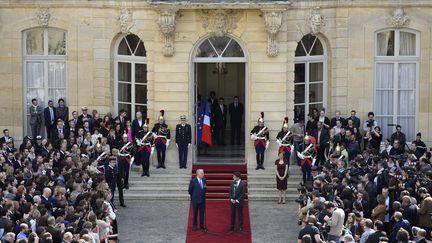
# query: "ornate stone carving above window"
{"type": "Point", "coordinates": [398, 18]}
{"type": "Point", "coordinates": [43, 16]}
{"type": "Point", "coordinates": [315, 22]}
{"type": "Point", "coordinates": [220, 22]}
{"type": "Point", "coordinates": [273, 23]}
{"type": "Point", "coordinates": [125, 20]}
{"type": "Point", "coordinates": [166, 20]}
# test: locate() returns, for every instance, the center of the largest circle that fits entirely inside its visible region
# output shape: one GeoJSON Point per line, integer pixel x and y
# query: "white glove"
{"type": "Point", "coordinates": [313, 162]}
{"type": "Point", "coordinates": [292, 148]}
{"type": "Point", "coordinates": [267, 144]}
{"type": "Point", "coordinates": [168, 142]}
{"type": "Point", "coordinates": [300, 155]}
{"type": "Point", "coordinates": [177, 145]}
{"type": "Point", "coordinates": [279, 142]}
{"type": "Point", "coordinates": [254, 137]}
{"type": "Point", "coordinates": [189, 145]}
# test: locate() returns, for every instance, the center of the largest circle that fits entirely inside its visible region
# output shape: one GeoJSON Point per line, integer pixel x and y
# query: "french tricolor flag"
{"type": "Point", "coordinates": [206, 127]}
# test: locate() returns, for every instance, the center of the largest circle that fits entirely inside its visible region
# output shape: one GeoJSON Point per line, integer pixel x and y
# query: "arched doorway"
{"type": "Point", "coordinates": [219, 69]}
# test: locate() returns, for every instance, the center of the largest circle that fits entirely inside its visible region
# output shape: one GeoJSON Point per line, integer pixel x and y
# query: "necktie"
{"type": "Point", "coordinates": [200, 182]}
{"type": "Point", "coordinates": [51, 113]}
{"type": "Point", "coordinates": [235, 188]}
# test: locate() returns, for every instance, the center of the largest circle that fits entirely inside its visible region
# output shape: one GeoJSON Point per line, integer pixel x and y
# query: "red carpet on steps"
{"type": "Point", "coordinates": [219, 178]}
{"type": "Point", "coordinates": [218, 223]}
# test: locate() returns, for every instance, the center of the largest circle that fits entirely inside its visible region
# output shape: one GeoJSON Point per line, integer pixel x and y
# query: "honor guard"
{"type": "Point", "coordinates": [260, 136]}
{"type": "Point", "coordinates": [306, 157]}
{"type": "Point", "coordinates": [144, 143]}
{"type": "Point", "coordinates": [284, 139]}
{"type": "Point", "coordinates": [162, 139]}
{"type": "Point", "coordinates": [183, 138]}
{"type": "Point", "coordinates": [125, 159]}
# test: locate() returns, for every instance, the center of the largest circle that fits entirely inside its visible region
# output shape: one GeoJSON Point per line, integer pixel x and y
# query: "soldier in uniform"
{"type": "Point", "coordinates": [162, 139]}
{"type": "Point", "coordinates": [183, 140]}
{"type": "Point", "coordinates": [306, 157]}
{"type": "Point", "coordinates": [124, 159]}
{"type": "Point", "coordinates": [284, 139]}
{"type": "Point", "coordinates": [144, 143]}
{"type": "Point", "coordinates": [113, 179]}
{"type": "Point", "coordinates": [260, 136]}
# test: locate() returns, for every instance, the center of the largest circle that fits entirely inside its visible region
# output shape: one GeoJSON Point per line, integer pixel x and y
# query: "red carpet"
{"type": "Point", "coordinates": [219, 178]}
{"type": "Point", "coordinates": [218, 223]}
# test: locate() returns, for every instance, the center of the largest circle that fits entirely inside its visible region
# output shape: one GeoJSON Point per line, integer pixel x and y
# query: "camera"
{"type": "Point", "coordinates": [370, 123]}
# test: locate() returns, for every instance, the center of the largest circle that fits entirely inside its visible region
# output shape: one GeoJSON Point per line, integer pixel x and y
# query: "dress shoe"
{"type": "Point", "coordinates": [257, 168]}
{"type": "Point", "coordinates": [163, 166]}
{"type": "Point", "coordinates": [240, 229]}
{"type": "Point", "coordinates": [143, 174]}
{"type": "Point", "coordinates": [203, 229]}
{"type": "Point", "coordinates": [123, 205]}
{"type": "Point", "coordinates": [157, 167]}
{"type": "Point", "coordinates": [231, 229]}
{"type": "Point", "coordinates": [147, 174]}
{"type": "Point", "coordinates": [126, 187]}
{"type": "Point", "coordinates": [194, 228]}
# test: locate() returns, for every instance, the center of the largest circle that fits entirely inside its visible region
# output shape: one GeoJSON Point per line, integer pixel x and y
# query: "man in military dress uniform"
{"type": "Point", "coordinates": [162, 139]}
{"type": "Point", "coordinates": [124, 160]}
{"type": "Point", "coordinates": [284, 139]}
{"type": "Point", "coordinates": [113, 180]}
{"type": "Point", "coordinates": [260, 136]}
{"type": "Point", "coordinates": [144, 142]}
{"type": "Point", "coordinates": [306, 157]}
{"type": "Point", "coordinates": [183, 140]}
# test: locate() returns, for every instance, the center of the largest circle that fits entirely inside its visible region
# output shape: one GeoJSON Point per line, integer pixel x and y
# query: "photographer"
{"type": "Point", "coordinates": [370, 123]}
{"type": "Point", "coordinates": [335, 222]}
{"type": "Point", "coordinates": [310, 229]}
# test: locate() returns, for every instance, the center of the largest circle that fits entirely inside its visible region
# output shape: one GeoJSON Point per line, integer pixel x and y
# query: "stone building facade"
{"type": "Point", "coordinates": [374, 56]}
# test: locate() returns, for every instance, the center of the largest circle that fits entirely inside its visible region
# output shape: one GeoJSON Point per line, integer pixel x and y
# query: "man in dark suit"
{"type": "Point", "coordinates": [322, 136]}
{"type": "Point", "coordinates": [137, 124]}
{"type": "Point", "coordinates": [237, 193]}
{"type": "Point", "coordinates": [183, 139]}
{"type": "Point", "coordinates": [6, 137]}
{"type": "Point", "coordinates": [49, 115]}
{"type": "Point", "coordinates": [197, 189]}
{"type": "Point", "coordinates": [36, 118]}
{"type": "Point", "coordinates": [236, 114]}
{"type": "Point", "coordinates": [58, 132]}
{"type": "Point", "coordinates": [220, 114]}
{"type": "Point", "coordinates": [122, 118]}
{"type": "Point", "coordinates": [337, 117]}
{"type": "Point", "coordinates": [53, 230]}
{"type": "Point", "coordinates": [71, 129]}
{"type": "Point", "coordinates": [62, 111]}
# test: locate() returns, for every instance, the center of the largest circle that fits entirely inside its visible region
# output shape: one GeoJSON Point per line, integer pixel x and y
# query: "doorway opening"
{"type": "Point", "coordinates": [220, 81]}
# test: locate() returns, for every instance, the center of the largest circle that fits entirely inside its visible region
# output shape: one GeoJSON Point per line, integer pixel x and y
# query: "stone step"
{"type": "Point", "coordinates": [275, 197]}
{"type": "Point", "coordinates": [156, 183]}
{"type": "Point", "coordinates": [156, 196]}
{"type": "Point", "coordinates": [271, 184]}
{"type": "Point", "coordinates": [270, 190]}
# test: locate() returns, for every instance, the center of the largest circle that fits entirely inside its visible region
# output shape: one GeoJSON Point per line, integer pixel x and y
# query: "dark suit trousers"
{"type": "Point", "coordinates": [201, 208]}
{"type": "Point", "coordinates": [49, 130]}
{"type": "Point", "coordinates": [320, 155]}
{"type": "Point", "coordinates": [160, 150]}
{"type": "Point", "coordinates": [119, 186]}
{"type": "Point", "coordinates": [235, 132]}
{"type": "Point", "coordinates": [236, 207]}
{"type": "Point", "coordinates": [183, 152]}
{"type": "Point", "coordinates": [35, 130]}
{"type": "Point", "coordinates": [220, 134]}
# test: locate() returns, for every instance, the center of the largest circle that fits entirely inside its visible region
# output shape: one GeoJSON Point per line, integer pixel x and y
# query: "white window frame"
{"type": "Point", "coordinates": [45, 58]}
{"type": "Point", "coordinates": [307, 60]}
{"type": "Point", "coordinates": [132, 60]}
{"type": "Point", "coordinates": [396, 60]}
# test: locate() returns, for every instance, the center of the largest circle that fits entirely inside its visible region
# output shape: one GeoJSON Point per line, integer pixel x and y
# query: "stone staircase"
{"type": "Point", "coordinates": [262, 183]}
{"type": "Point", "coordinates": [163, 184]}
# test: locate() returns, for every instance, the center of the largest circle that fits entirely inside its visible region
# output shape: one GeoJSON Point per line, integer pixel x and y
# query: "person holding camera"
{"type": "Point", "coordinates": [311, 230]}
{"type": "Point", "coordinates": [335, 222]}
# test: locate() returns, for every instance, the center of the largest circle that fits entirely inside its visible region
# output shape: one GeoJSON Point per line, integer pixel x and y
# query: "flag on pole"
{"type": "Point", "coordinates": [200, 122]}
{"type": "Point", "coordinates": [206, 128]}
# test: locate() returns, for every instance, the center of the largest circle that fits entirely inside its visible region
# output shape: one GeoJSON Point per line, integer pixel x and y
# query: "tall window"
{"type": "Point", "coordinates": [44, 58]}
{"type": "Point", "coordinates": [396, 78]}
{"type": "Point", "coordinates": [131, 76]}
{"type": "Point", "coordinates": [310, 76]}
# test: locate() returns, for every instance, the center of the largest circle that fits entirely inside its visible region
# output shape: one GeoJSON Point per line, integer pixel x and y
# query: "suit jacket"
{"type": "Point", "coordinates": [55, 133]}
{"type": "Point", "coordinates": [56, 234]}
{"type": "Point", "coordinates": [334, 119]}
{"type": "Point", "coordinates": [4, 139]}
{"type": "Point", "coordinates": [239, 192]}
{"type": "Point", "coordinates": [80, 121]}
{"type": "Point", "coordinates": [183, 134]}
{"type": "Point", "coordinates": [62, 113]}
{"type": "Point", "coordinates": [36, 116]}
{"type": "Point", "coordinates": [47, 116]}
{"type": "Point", "coordinates": [122, 124]}
{"type": "Point", "coordinates": [324, 137]}
{"type": "Point", "coordinates": [197, 193]}
{"type": "Point", "coordinates": [136, 127]}
{"type": "Point", "coordinates": [236, 114]}
{"type": "Point", "coordinates": [220, 117]}
{"type": "Point", "coordinates": [111, 176]}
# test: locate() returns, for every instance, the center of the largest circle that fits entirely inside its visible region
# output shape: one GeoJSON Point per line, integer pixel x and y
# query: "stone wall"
{"type": "Point", "coordinates": [93, 29]}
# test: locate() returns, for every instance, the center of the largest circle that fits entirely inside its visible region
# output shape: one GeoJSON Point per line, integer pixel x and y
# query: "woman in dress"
{"type": "Point", "coordinates": [281, 170]}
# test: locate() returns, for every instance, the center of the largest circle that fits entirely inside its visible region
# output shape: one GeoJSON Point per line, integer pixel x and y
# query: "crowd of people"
{"type": "Point", "coordinates": [58, 185]}
{"type": "Point", "coordinates": [354, 188]}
